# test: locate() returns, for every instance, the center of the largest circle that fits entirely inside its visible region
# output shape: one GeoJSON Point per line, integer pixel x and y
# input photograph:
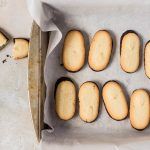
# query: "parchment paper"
{"type": "Point", "coordinates": [87, 16]}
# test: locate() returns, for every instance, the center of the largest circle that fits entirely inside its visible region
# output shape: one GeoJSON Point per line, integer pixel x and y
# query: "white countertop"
{"type": "Point", "coordinates": [16, 130]}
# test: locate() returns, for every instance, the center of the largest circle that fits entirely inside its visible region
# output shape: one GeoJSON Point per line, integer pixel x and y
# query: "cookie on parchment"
{"type": "Point", "coordinates": [89, 101]}
{"type": "Point", "coordinates": [130, 51]}
{"type": "Point", "coordinates": [73, 54]}
{"type": "Point", "coordinates": [65, 98]}
{"type": "Point", "coordinates": [139, 109]}
{"type": "Point", "coordinates": [115, 100]}
{"type": "Point", "coordinates": [147, 59]}
{"type": "Point", "coordinates": [100, 50]}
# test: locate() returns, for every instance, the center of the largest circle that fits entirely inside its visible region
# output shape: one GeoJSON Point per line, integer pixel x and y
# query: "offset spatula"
{"type": "Point", "coordinates": [36, 85]}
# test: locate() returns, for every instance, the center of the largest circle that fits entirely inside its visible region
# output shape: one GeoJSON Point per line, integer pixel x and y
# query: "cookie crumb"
{"type": "Point", "coordinates": [4, 61]}
{"type": "Point", "coordinates": [8, 56]}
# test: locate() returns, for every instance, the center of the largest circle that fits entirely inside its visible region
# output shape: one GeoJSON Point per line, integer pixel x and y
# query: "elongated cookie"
{"type": "Point", "coordinates": [147, 59]}
{"type": "Point", "coordinates": [89, 101]}
{"type": "Point", "coordinates": [3, 40]}
{"type": "Point", "coordinates": [65, 98]}
{"type": "Point", "coordinates": [100, 50]}
{"type": "Point", "coordinates": [139, 109]}
{"type": "Point", "coordinates": [73, 51]}
{"type": "Point", "coordinates": [130, 51]}
{"type": "Point", "coordinates": [21, 48]}
{"type": "Point", "coordinates": [115, 100]}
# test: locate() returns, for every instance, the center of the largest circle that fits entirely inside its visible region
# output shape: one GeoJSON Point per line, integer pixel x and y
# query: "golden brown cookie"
{"type": "Point", "coordinates": [115, 100]}
{"type": "Point", "coordinates": [89, 101]}
{"type": "Point", "coordinates": [147, 59]}
{"type": "Point", "coordinates": [65, 98]}
{"type": "Point", "coordinates": [20, 49]}
{"type": "Point", "coordinates": [73, 55]}
{"type": "Point", "coordinates": [130, 51]}
{"type": "Point", "coordinates": [3, 40]}
{"type": "Point", "coordinates": [139, 109]}
{"type": "Point", "coordinates": [100, 50]}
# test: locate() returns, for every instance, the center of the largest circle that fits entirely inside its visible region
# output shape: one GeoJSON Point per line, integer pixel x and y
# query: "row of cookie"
{"type": "Point", "coordinates": [90, 101]}
{"type": "Point", "coordinates": [100, 51]}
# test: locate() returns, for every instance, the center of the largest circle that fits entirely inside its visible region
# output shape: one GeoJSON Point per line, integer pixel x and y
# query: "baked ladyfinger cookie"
{"type": "Point", "coordinates": [147, 59]}
{"type": "Point", "coordinates": [100, 50]}
{"type": "Point", "coordinates": [21, 48]}
{"type": "Point", "coordinates": [115, 100]}
{"type": "Point", "coordinates": [139, 109]}
{"type": "Point", "coordinates": [73, 51]}
{"type": "Point", "coordinates": [3, 40]}
{"type": "Point", "coordinates": [89, 101]}
{"type": "Point", "coordinates": [130, 51]}
{"type": "Point", "coordinates": [65, 98]}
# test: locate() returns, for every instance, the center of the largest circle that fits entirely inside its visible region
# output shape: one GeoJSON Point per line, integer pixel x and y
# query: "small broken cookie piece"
{"type": "Point", "coordinates": [139, 109]}
{"type": "Point", "coordinates": [89, 101]}
{"type": "Point", "coordinates": [73, 54]}
{"type": "Point", "coordinates": [65, 98]}
{"type": "Point", "coordinates": [21, 48]}
{"type": "Point", "coordinates": [130, 51]}
{"type": "Point", "coordinates": [147, 59]}
{"type": "Point", "coordinates": [100, 50]}
{"type": "Point", "coordinates": [3, 40]}
{"type": "Point", "coordinates": [115, 100]}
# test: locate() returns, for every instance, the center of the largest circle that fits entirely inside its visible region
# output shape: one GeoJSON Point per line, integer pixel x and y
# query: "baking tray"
{"type": "Point", "coordinates": [116, 19]}
{"type": "Point", "coordinates": [36, 85]}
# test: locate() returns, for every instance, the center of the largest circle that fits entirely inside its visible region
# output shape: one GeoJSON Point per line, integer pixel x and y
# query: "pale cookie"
{"type": "Point", "coordinates": [3, 40]}
{"type": "Point", "coordinates": [65, 98]}
{"type": "Point", "coordinates": [20, 49]}
{"type": "Point", "coordinates": [115, 100]}
{"type": "Point", "coordinates": [73, 55]}
{"type": "Point", "coordinates": [89, 101]}
{"type": "Point", "coordinates": [147, 59]}
{"type": "Point", "coordinates": [130, 51]}
{"type": "Point", "coordinates": [100, 50]}
{"type": "Point", "coordinates": [139, 109]}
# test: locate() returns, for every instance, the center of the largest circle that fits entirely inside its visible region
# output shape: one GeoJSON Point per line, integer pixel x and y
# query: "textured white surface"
{"type": "Point", "coordinates": [16, 130]}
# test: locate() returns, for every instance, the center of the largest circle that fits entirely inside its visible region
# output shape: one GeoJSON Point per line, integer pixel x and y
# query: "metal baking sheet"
{"type": "Point", "coordinates": [116, 17]}
{"type": "Point", "coordinates": [36, 85]}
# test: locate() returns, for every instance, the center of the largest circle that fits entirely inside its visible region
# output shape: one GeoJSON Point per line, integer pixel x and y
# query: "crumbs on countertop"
{"type": "Point", "coordinates": [3, 61]}
{"type": "Point", "coordinates": [8, 56]}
